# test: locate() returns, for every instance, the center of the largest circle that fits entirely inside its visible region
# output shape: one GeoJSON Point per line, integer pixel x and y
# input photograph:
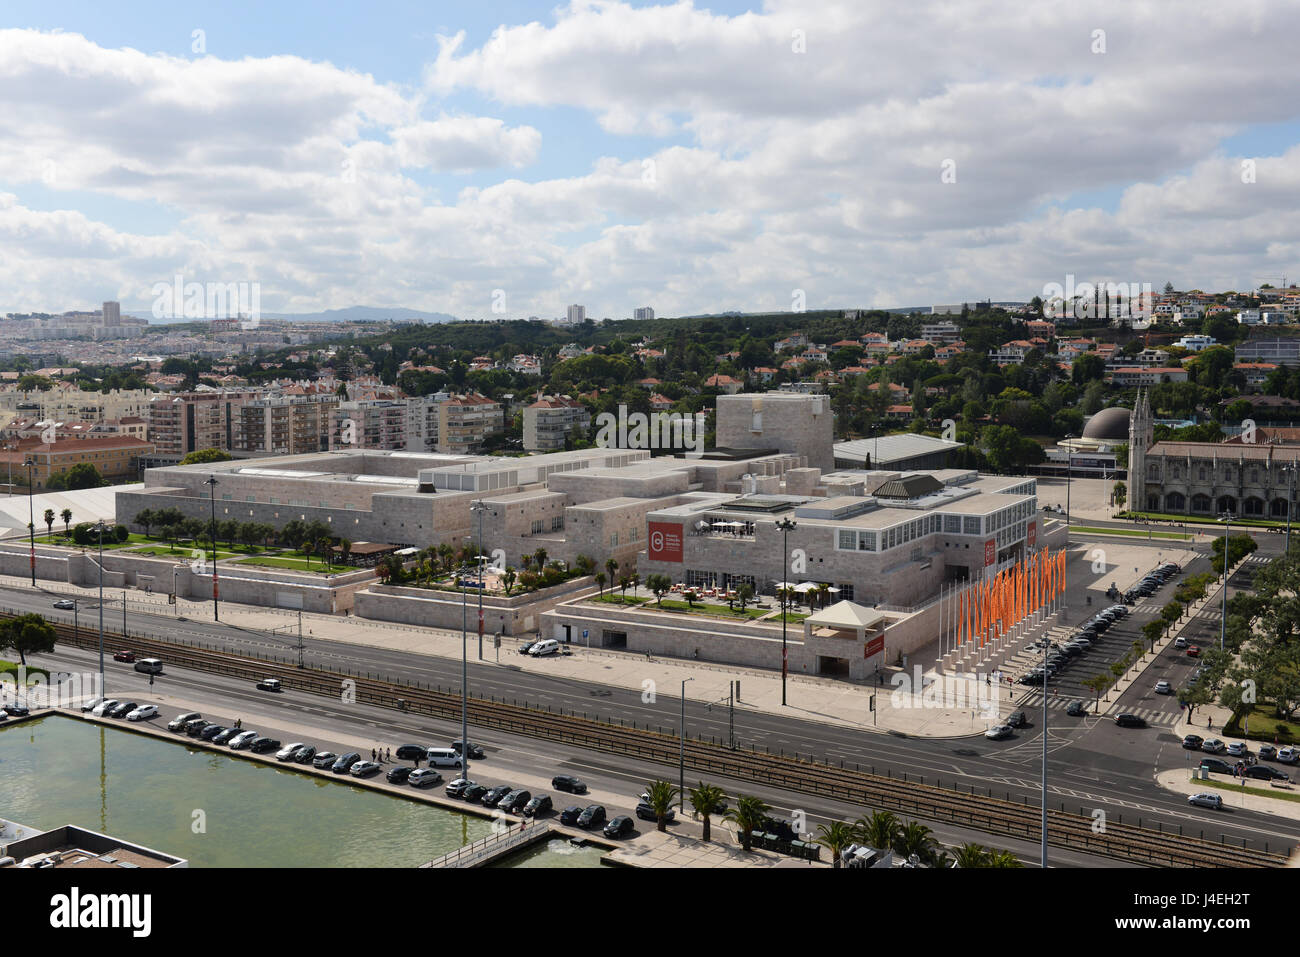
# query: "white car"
{"type": "Point", "coordinates": [1213, 746]}
{"type": "Point", "coordinates": [1180, 642]}
{"type": "Point", "coordinates": [1287, 755]}
{"type": "Point", "coordinates": [285, 753]}
{"type": "Point", "coordinates": [1164, 687]}
{"type": "Point", "coordinates": [92, 704]}
{"type": "Point", "coordinates": [143, 713]}
{"type": "Point", "coordinates": [998, 732]}
{"type": "Point", "coordinates": [243, 740]}
{"type": "Point", "coordinates": [1237, 749]}
{"type": "Point", "coordinates": [548, 647]}
{"type": "Point", "coordinates": [1205, 799]}
{"type": "Point", "coordinates": [108, 704]}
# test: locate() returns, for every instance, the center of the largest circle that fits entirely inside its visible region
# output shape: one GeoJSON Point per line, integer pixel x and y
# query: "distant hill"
{"type": "Point", "coordinates": [350, 314]}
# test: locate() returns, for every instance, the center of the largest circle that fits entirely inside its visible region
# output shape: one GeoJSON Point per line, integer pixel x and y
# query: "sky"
{"type": "Point", "coordinates": [506, 159]}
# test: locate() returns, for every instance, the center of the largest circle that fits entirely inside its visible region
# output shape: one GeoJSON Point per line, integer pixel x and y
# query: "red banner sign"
{"type": "Point", "coordinates": [1032, 535]}
{"type": "Point", "coordinates": [665, 542]}
{"type": "Point", "coordinates": [990, 552]}
{"type": "Point", "coordinates": [875, 646]}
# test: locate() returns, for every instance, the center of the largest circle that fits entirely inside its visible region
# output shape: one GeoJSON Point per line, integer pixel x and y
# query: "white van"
{"type": "Point", "coordinates": [548, 647]}
{"type": "Point", "coordinates": [150, 666]}
{"type": "Point", "coordinates": [443, 758]}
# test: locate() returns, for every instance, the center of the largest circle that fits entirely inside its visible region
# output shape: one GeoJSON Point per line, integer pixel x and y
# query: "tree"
{"type": "Point", "coordinates": [661, 794]}
{"type": "Point", "coordinates": [747, 815]}
{"type": "Point", "coordinates": [49, 521]}
{"type": "Point", "coordinates": [880, 830]}
{"type": "Point", "coordinates": [28, 634]}
{"type": "Point", "coordinates": [835, 837]}
{"type": "Point", "coordinates": [204, 456]}
{"type": "Point", "coordinates": [611, 566]}
{"type": "Point", "coordinates": [508, 579]}
{"type": "Point", "coordinates": [66, 515]}
{"type": "Point", "coordinates": [707, 800]}
{"type": "Point", "coordinates": [745, 594]}
{"type": "Point", "coordinates": [1120, 491]}
{"type": "Point", "coordinates": [623, 582]}
{"type": "Point", "coordinates": [659, 586]}
{"type": "Point", "coordinates": [84, 475]}
{"type": "Point", "coordinates": [914, 838]}
{"type": "Point", "coordinates": [600, 583]}
{"type": "Point", "coordinates": [972, 855]}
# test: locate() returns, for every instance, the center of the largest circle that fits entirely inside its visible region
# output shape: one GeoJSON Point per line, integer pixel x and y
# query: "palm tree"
{"type": "Point", "coordinates": [623, 582]}
{"type": "Point", "coordinates": [879, 830]}
{"type": "Point", "coordinates": [1004, 859]}
{"type": "Point", "coordinates": [707, 800]}
{"type": "Point", "coordinates": [540, 556]}
{"type": "Point", "coordinates": [835, 837]}
{"type": "Point", "coordinates": [49, 521]}
{"type": "Point", "coordinates": [972, 855]}
{"type": "Point", "coordinates": [611, 566]}
{"type": "Point", "coordinates": [67, 521]}
{"type": "Point", "coordinates": [914, 838]}
{"type": "Point", "coordinates": [508, 578]}
{"type": "Point", "coordinates": [747, 815]}
{"type": "Point", "coordinates": [600, 581]}
{"type": "Point", "coordinates": [823, 594]}
{"type": "Point", "coordinates": [662, 794]}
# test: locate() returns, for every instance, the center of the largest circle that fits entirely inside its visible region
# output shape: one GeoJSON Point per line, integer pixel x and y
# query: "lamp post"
{"type": "Point", "coordinates": [464, 678]}
{"type": "Point", "coordinates": [98, 529]}
{"type": "Point", "coordinates": [1069, 475]}
{"type": "Point", "coordinates": [211, 483]}
{"type": "Point", "coordinates": [1226, 518]}
{"type": "Point", "coordinates": [30, 465]}
{"type": "Point", "coordinates": [785, 525]}
{"type": "Point", "coordinates": [479, 508]}
{"type": "Point", "coordinates": [681, 754]}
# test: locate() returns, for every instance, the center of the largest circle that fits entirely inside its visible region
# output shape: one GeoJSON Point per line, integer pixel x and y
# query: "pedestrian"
{"type": "Point", "coordinates": [389, 753]}
{"type": "Point", "coordinates": [372, 754]}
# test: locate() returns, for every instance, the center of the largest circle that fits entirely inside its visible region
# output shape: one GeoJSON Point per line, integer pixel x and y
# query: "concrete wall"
{"type": "Point", "coordinates": [517, 615]}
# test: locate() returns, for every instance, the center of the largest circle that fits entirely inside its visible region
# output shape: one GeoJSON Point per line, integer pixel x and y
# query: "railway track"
{"type": "Point", "coordinates": [1126, 842]}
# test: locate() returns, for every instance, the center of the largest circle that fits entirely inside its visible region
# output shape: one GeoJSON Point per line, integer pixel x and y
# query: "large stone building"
{"type": "Point", "coordinates": [797, 424]}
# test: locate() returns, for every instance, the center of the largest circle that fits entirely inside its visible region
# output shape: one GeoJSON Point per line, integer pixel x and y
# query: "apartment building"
{"type": "Point", "coordinates": [370, 424]}
{"type": "Point", "coordinates": [186, 422]}
{"type": "Point", "coordinates": [284, 423]}
{"type": "Point", "coordinates": [550, 420]}
{"type": "Point", "coordinates": [644, 312]}
{"type": "Point", "coordinates": [465, 422]}
{"type": "Point", "coordinates": [118, 458]}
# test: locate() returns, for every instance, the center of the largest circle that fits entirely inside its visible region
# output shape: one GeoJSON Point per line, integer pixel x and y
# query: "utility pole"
{"type": "Point", "coordinates": [30, 464]}
{"type": "Point", "coordinates": [479, 508]}
{"type": "Point", "coordinates": [681, 754]}
{"type": "Point", "coordinates": [785, 525]}
{"type": "Point", "coordinates": [300, 644]}
{"type": "Point", "coordinates": [211, 483]}
{"type": "Point", "coordinates": [124, 632]}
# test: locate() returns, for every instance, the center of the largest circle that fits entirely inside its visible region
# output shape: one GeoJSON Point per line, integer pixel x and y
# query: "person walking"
{"type": "Point", "coordinates": [372, 754]}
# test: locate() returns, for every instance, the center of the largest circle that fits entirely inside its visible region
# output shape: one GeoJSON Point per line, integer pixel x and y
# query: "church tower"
{"type": "Point", "coordinates": [1141, 432]}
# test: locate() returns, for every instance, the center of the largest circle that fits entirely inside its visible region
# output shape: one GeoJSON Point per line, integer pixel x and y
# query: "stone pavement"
{"type": "Point", "coordinates": [1180, 781]}
{"type": "Point", "coordinates": [653, 849]}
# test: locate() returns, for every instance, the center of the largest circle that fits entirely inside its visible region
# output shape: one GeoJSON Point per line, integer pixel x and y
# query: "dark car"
{"type": "Point", "coordinates": [515, 801]}
{"type": "Point", "coordinates": [1193, 742]}
{"type": "Point", "coordinates": [304, 754]}
{"type": "Point", "coordinates": [646, 812]}
{"type": "Point", "coordinates": [121, 711]}
{"type": "Point", "coordinates": [1216, 765]}
{"type": "Point", "coordinates": [527, 645]}
{"type": "Point", "coordinates": [196, 725]}
{"type": "Point", "coordinates": [225, 736]}
{"type": "Point", "coordinates": [17, 710]}
{"type": "Point", "coordinates": [1076, 709]}
{"type": "Point", "coordinates": [410, 752]}
{"type": "Point", "coordinates": [567, 782]}
{"type": "Point", "coordinates": [621, 826]}
{"type": "Point", "coordinates": [399, 774]}
{"type": "Point", "coordinates": [1016, 719]}
{"type": "Point", "coordinates": [592, 816]}
{"type": "Point", "coordinates": [474, 792]}
{"type": "Point", "coordinates": [475, 752]}
{"type": "Point", "coordinates": [539, 805]}
{"type": "Point", "coordinates": [262, 745]}
{"type": "Point", "coordinates": [127, 656]}
{"type": "Point", "coordinates": [1266, 772]}
{"type": "Point", "coordinates": [344, 764]}
{"type": "Point", "coordinates": [324, 759]}
{"type": "Point", "coordinates": [211, 731]}
{"type": "Point", "coordinates": [570, 815]}
{"type": "Point", "coordinates": [493, 797]}
{"type": "Point", "coordinates": [459, 786]}
{"type": "Point", "coordinates": [1128, 720]}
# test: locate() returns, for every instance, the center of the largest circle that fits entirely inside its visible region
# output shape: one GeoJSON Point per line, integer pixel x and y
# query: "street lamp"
{"type": "Point", "coordinates": [464, 678]}
{"type": "Point", "coordinates": [1290, 503]}
{"type": "Point", "coordinates": [479, 508]}
{"type": "Point", "coordinates": [681, 754]}
{"type": "Point", "coordinates": [785, 525]}
{"type": "Point", "coordinates": [1226, 518]}
{"type": "Point", "coordinates": [98, 528]}
{"type": "Point", "coordinates": [211, 483]}
{"type": "Point", "coordinates": [30, 465]}
{"type": "Point", "coordinates": [1069, 475]}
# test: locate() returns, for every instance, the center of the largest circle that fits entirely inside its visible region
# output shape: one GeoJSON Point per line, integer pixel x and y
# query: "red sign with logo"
{"type": "Point", "coordinates": [990, 552]}
{"type": "Point", "coordinates": [665, 542]}
{"type": "Point", "coordinates": [875, 646]}
{"type": "Point", "coordinates": [1033, 533]}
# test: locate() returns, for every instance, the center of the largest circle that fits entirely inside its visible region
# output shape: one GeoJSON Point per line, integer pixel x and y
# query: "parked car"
{"type": "Point", "coordinates": [515, 801]}
{"type": "Point", "coordinates": [344, 764]}
{"type": "Point", "coordinates": [409, 752]}
{"type": "Point", "coordinates": [1193, 651]}
{"type": "Point", "coordinates": [1193, 742]}
{"type": "Point", "coordinates": [399, 774]}
{"type": "Point", "coordinates": [423, 777]}
{"type": "Point", "coordinates": [118, 711]}
{"type": "Point", "coordinates": [475, 752]}
{"type": "Point", "coordinates": [1267, 773]}
{"type": "Point", "coordinates": [178, 723]}
{"type": "Point", "coordinates": [1164, 687]}
{"type": "Point", "coordinates": [493, 797]}
{"type": "Point", "coordinates": [243, 740]}
{"type": "Point", "coordinates": [263, 745]}
{"type": "Point", "coordinates": [366, 769]}
{"type": "Point", "coordinates": [195, 728]}
{"type": "Point", "coordinates": [19, 710]}
{"type": "Point", "coordinates": [1076, 709]}
{"type": "Point", "coordinates": [547, 647]}
{"type": "Point", "coordinates": [324, 759]}
{"type": "Point", "coordinates": [646, 812]}
{"type": "Point", "coordinates": [539, 805]}
{"type": "Point", "coordinates": [305, 755]}
{"type": "Point", "coordinates": [621, 826]}
{"type": "Point", "coordinates": [1267, 752]}
{"type": "Point", "coordinates": [527, 646]}
{"type": "Point", "coordinates": [457, 787]}
{"type": "Point", "coordinates": [269, 684]}
{"type": "Point", "coordinates": [474, 792]}
{"type": "Point", "coordinates": [569, 816]}
{"type": "Point", "coordinates": [1288, 755]}
{"type": "Point", "coordinates": [226, 735]}
{"type": "Point", "coordinates": [65, 604]}
{"type": "Point", "coordinates": [143, 713]}
{"type": "Point", "coordinates": [1128, 720]}
{"type": "Point", "coordinates": [94, 703]}
{"type": "Point", "coordinates": [1180, 642]}
{"type": "Point", "coordinates": [567, 782]}
{"type": "Point", "coordinates": [286, 753]}
{"type": "Point", "coordinates": [1206, 799]}
{"type": "Point", "coordinates": [1238, 750]}
{"type": "Point", "coordinates": [210, 731]}
{"type": "Point", "coordinates": [1214, 746]}
{"type": "Point", "coordinates": [1216, 765]}
{"type": "Point", "coordinates": [127, 656]}
{"type": "Point", "coordinates": [592, 816]}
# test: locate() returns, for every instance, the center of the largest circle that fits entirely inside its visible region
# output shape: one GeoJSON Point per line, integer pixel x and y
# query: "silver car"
{"type": "Point", "coordinates": [1205, 799]}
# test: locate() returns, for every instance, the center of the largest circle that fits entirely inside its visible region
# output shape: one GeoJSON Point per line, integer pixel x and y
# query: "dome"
{"type": "Point", "coordinates": [1109, 425]}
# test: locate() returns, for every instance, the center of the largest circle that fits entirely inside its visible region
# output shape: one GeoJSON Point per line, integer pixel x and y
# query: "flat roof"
{"type": "Point", "coordinates": [893, 448]}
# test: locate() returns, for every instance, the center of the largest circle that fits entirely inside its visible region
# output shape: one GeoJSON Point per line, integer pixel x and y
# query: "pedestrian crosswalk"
{"type": "Point", "coordinates": [1029, 701]}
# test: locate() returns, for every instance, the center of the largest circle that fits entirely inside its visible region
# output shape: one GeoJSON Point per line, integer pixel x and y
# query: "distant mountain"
{"type": "Point", "coordinates": [350, 314]}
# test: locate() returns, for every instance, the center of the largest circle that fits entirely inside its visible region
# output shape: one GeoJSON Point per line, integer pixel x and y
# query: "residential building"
{"type": "Point", "coordinates": [465, 422]}
{"type": "Point", "coordinates": [644, 312]}
{"type": "Point", "coordinates": [550, 420]}
{"type": "Point", "coordinates": [576, 314]}
{"type": "Point", "coordinates": [1196, 343]}
{"type": "Point", "coordinates": [118, 458]}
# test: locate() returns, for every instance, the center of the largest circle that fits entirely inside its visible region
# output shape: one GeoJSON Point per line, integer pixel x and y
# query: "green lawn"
{"type": "Point", "coordinates": [297, 564]}
{"type": "Point", "coordinates": [11, 668]}
{"type": "Point", "coordinates": [1201, 520]}
{"type": "Point", "coordinates": [1132, 532]}
{"type": "Point", "coordinates": [1265, 725]}
{"type": "Point", "coordinates": [184, 551]}
{"type": "Point", "coordinates": [1235, 787]}
{"type": "Point", "coordinates": [109, 541]}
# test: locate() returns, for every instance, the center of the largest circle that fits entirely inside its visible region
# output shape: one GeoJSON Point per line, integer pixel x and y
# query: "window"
{"type": "Point", "coordinates": [952, 524]}
{"type": "Point", "coordinates": [847, 540]}
{"type": "Point", "coordinates": [970, 525]}
{"type": "Point", "coordinates": [867, 541]}
{"type": "Point", "coordinates": [1201, 474]}
{"type": "Point", "coordinates": [846, 591]}
{"type": "Point", "coordinates": [538, 524]}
